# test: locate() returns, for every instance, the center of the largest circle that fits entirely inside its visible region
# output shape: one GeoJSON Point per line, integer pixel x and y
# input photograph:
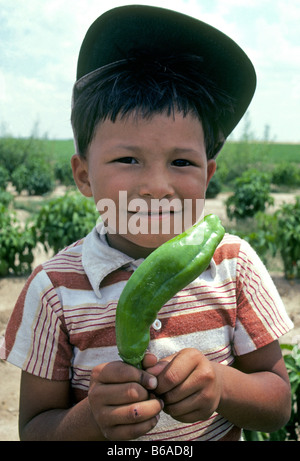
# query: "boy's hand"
{"type": "Point", "coordinates": [120, 401]}
{"type": "Point", "coordinates": [188, 383]}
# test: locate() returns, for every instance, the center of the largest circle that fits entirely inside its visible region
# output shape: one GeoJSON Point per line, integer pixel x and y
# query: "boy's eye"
{"type": "Point", "coordinates": [128, 160]}
{"type": "Point", "coordinates": [181, 162]}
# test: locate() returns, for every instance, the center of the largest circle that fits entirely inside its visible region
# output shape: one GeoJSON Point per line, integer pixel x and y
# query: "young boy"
{"type": "Point", "coordinates": [156, 95]}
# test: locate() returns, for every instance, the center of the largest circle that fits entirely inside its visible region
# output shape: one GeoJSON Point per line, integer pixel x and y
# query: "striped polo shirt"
{"type": "Point", "coordinates": [63, 323]}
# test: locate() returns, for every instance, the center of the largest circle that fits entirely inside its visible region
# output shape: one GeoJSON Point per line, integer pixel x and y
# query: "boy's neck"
{"type": "Point", "coordinates": [129, 248]}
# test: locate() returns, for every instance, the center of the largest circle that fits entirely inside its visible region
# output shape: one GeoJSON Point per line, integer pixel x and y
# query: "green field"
{"type": "Point", "coordinates": [60, 149]}
{"type": "Point", "coordinates": [270, 152]}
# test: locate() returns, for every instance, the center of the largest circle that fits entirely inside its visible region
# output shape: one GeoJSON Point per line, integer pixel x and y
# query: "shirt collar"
{"type": "Point", "coordinates": [99, 259]}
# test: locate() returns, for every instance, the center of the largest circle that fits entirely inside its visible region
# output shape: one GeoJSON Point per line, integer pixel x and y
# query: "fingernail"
{"type": "Point", "coordinates": [152, 383]}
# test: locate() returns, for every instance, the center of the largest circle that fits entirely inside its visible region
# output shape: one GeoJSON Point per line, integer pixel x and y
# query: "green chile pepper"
{"type": "Point", "coordinates": [167, 270]}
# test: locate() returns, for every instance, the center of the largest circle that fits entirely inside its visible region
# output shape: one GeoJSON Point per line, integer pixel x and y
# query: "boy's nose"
{"type": "Point", "coordinates": [156, 184]}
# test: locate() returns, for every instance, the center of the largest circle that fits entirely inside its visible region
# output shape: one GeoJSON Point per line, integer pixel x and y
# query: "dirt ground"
{"type": "Point", "coordinates": [10, 288]}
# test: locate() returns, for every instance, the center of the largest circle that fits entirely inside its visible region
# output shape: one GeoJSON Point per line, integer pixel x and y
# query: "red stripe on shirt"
{"type": "Point", "coordinates": [114, 277]}
{"type": "Point", "coordinates": [226, 251]}
{"type": "Point", "coordinates": [71, 280]}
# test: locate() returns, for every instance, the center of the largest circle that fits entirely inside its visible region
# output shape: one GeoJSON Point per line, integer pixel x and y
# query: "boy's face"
{"type": "Point", "coordinates": [148, 178]}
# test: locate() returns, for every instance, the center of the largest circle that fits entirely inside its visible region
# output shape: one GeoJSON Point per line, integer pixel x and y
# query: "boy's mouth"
{"type": "Point", "coordinates": [153, 214]}
{"type": "Point", "coordinates": [155, 211]}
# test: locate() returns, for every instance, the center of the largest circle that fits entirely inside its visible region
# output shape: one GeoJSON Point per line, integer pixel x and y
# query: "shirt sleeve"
{"type": "Point", "coordinates": [36, 339]}
{"type": "Point", "coordinates": [261, 314]}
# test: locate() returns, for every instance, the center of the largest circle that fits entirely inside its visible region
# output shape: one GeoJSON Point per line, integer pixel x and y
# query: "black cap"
{"type": "Point", "coordinates": [118, 33]}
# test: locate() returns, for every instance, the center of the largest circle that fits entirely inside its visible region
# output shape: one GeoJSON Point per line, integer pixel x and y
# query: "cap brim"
{"type": "Point", "coordinates": [121, 31]}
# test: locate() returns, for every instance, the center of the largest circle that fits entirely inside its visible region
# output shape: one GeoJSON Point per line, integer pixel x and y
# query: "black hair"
{"type": "Point", "coordinates": [147, 85]}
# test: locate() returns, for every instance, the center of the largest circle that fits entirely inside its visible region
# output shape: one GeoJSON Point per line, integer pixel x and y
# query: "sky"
{"type": "Point", "coordinates": [40, 42]}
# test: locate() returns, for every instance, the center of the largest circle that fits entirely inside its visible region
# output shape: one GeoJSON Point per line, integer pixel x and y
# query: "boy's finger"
{"type": "Point", "coordinates": [149, 360]}
{"type": "Point", "coordinates": [177, 370]}
{"type": "Point", "coordinates": [158, 367]}
{"type": "Point", "coordinates": [122, 394]}
{"type": "Point", "coordinates": [132, 421]}
{"type": "Point", "coordinates": [120, 372]}
{"type": "Point", "coordinates": [134, 413]}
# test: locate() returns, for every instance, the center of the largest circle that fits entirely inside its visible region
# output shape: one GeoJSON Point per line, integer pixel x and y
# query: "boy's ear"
{"type": "Point", "coordinates": [81, 175]}
{"type": "Point", "coordinates": [211, 169]}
